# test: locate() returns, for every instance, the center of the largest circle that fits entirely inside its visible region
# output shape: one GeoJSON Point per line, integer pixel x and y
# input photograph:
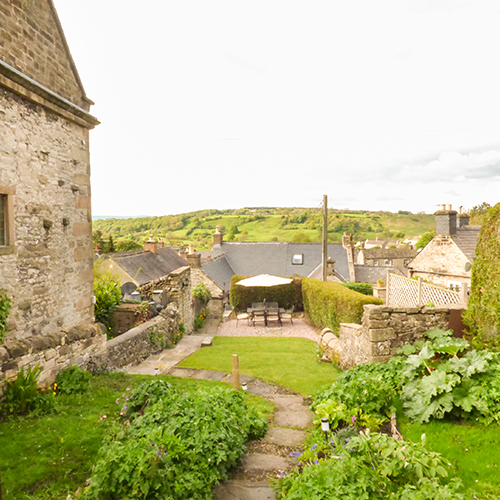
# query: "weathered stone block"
{"type": "Point", "coordinates": [380, 359]}
{"type": "Point", "coordinates": [17, 349]}
{"type": "Point", "coordinates": [375, 323]}
{"type": "Point", "coordinates": [380, 349]}
{"type": "Point", "coordinates": [4, 354]}
{"type": "Point", "coordinates": [381, 335]}
{"type": "Point", "coordinates": [10, 366]}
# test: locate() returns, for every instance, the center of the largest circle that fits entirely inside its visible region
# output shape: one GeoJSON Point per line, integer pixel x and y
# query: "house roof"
{"type": "Point", "coordinates": [371, 274]}
{"type": "Point", "coordinates": [389, 253]}
{"type": "Point", "coordinates": [249, 258]}
{"type": "Point", "coordinates": [466, 239]}
{"type": "Point", "coordinates": [145, 267]}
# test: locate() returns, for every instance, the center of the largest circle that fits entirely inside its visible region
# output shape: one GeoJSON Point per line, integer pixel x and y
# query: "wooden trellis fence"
{"type": "Point", "coordinates": [407, 292]}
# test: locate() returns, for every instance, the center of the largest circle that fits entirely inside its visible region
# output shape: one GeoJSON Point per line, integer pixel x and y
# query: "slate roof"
{"type": "Point", "coordinates": [147, 266]}
{"type": "Point", "coordinates": [371, 274]}
{"type": "Point", "coordinates": [466, 239]}
{"type": "Point", "coordinates": [389, 253]}
{"type": "Point", "coordinates": [249, 258]}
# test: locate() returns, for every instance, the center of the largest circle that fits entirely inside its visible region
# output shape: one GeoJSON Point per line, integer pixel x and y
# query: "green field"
{"type": "Point", "coordinates": [264, 224]}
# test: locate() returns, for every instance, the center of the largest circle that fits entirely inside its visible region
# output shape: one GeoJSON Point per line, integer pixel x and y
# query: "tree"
{"type": "Point", "coordinates": [426, 237]}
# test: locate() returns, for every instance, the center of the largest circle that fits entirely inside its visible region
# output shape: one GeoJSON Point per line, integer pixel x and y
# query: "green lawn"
{"type": "Point", "coordinates": [472, 449]}
{"type": "Point", "coordinates": [48, 457]}
{"type": "Point", "coordinates": [291, 362]}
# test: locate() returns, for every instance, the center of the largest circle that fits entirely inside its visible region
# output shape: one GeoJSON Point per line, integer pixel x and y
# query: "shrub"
{"type": "Point", "coordinates": [4, 316]}
{"type": "Point", "coordinates": [328, 304]}
{"type": "Point", "coordinates": [364, 288]}
{"type": "Point", "coordinates": [23, 396]}
{"type": "Point", "coordinates": [107, 295]}
{"type": "Point", "coordinates": [73, 380]}
{"type": "Point", "coordinates": [242, 297]}
{"type": "Point", "coordinates": [483, 311]}
{"type": "Point", "coordinates": [178, 445]}
{"type": "Point", "coordinates": [202, 293]}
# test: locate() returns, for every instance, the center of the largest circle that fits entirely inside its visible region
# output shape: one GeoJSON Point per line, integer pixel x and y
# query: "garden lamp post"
{"type": "Point", "coordinates": [325, 427]}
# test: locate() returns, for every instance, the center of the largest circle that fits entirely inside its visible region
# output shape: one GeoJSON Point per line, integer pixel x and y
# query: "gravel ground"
{"type": "Point", "coordinates": [300, 328]}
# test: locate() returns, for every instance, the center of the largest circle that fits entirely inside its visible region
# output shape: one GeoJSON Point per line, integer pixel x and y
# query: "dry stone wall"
{"type": "Point", "coordinates": [384, 330]}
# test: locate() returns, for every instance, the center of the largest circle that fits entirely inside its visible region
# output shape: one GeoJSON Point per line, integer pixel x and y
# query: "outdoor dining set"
{"type": "Point", "coordinates": [265, 313]}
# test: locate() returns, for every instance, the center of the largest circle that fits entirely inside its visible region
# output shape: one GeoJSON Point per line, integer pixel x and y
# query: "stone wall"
{"type": "Point", "coordinates": [33, 43]}
{"type": "Point", "coordinates": [177, 286]}
{"type": "Point", "coordinates": [48, 272]}
{"type": "Point", "coordinates": [53, 353]}
{"type": "Point", "coordinates": [383, 331]}
{"type": "Point", "coordinates": [140, 342]}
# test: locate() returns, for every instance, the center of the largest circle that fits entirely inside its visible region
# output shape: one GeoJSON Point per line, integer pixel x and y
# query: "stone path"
{"type": "Point", "coordinates": [266, 458]}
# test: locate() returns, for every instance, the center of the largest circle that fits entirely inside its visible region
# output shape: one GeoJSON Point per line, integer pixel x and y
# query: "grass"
{"type": "Point", "coordinates": [291, 362]}
{"type": "Point", "coordinates": [50, 456]}
{"type": "Point", "coordinates": [472, 449]}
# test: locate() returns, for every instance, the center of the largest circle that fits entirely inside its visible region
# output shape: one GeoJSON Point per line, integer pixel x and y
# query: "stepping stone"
{"type": "Point", "coordinates": [284, 437]}
{"type": "Point", "coordinates": [244, 490]}
{"type": "Point", "coordinates": [291, 412]}
{"type": "Point", "coordinates": [206, 341]}
{"type": "Point", "coordinates": [263, 462]}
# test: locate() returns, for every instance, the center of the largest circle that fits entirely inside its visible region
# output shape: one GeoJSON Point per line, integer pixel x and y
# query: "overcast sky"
{"type": "Point", "coordinates": [381, 105]}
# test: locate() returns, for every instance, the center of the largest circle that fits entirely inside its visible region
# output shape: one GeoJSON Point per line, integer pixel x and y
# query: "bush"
{"type": "Point", "coordinates": [176, 445]}
{"type": "Point", "coordinates": [4, 316]}
{"type": "Point", "coordinates": [73, 380]}
{"type": "Point", "coordinates": [23, 396]}
{"type": "Point", "coordinates": [202, 293]}
{"type": "Point", "coordinates": [483, 311]}
{"type": "Point", "coordinates": [242, 297]}
{"type": "Point", "coordinates": [107, 294]}
{"type": "Point", "coordinates": [328, 304]}
{"type": "Point", "coordinates": [364, 288]}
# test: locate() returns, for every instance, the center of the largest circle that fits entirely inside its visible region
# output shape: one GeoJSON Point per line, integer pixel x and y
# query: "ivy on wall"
{"type": "Point", "coordinates": [483, 313]}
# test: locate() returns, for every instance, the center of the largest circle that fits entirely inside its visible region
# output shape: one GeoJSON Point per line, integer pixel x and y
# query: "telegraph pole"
{"type": "Point", "coordinates": [325, 235]}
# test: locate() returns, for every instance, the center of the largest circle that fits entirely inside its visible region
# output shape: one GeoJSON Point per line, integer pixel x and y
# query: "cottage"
{"type": "Point", "coordinates": [45, 209]}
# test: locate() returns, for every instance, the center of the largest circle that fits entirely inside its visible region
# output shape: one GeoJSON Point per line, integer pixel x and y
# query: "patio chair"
{"type": "Point", "coordinates": [259, 316]}
{"type": "Point", "coordinates": [243, 316]}
{"type": "Point", "coordinates": [288, 315]}
{"type": "Point", "coordinates": [273, 314]}
{"type": "Point", "coordinates": [228, 310]}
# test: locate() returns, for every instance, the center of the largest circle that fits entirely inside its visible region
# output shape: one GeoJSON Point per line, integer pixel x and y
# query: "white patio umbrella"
{"type": "Point", "coordinates": [264, 280]}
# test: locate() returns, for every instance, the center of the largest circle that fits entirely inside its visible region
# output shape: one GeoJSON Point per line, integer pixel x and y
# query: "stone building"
{"type": "Point", "coordinates": [448, 258]}
{"type": "Point", "coordinates": [45, 210]}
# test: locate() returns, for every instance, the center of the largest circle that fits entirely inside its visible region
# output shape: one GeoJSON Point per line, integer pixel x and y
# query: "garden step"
{"type": "Point", "coordinates": [284, 437]}
{"type": "Point", "coordinates": [207, 341]}
{"type": "Point", "coordinates": [263, 462]}
{"type": "Point", "coordinates": [291, 412]}
{"type": "Point", "coordinates": [244, 490]}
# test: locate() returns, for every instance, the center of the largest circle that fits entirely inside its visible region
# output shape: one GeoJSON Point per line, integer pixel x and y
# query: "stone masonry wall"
{"type": "Point", "coordinates": [49, 275]}
{"type": "Point", "coordinates": [177, 286]}
{"type": "Point", "coordinates": [32, 44]}
{"type": "Point", "coordinates": [53, 353]}
{"type": "Point", "coordinates": [383, 331]}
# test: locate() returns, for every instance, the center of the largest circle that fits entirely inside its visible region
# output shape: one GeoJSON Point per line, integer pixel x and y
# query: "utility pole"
{"type": "Point", "coordinates": [325, 235]}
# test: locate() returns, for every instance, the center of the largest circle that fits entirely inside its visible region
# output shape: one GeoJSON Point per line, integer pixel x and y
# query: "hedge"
{"type": "Point", "coordinates": [364, 288]}
{"type": "Point", "coordinates": [483, 311]}
{"type": "Point", "coordinates": [328, 304]}
{"type": "Point", "coordinates": [242, 297]}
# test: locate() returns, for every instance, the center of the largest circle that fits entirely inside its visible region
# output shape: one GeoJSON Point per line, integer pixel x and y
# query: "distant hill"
{"type": "Point", "coordinates": [264, 224]}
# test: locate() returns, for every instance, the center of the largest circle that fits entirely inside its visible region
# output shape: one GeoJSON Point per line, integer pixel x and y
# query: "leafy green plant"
{"type": "Point", "coordinates": [72, 380]}
{"type": "Point", "coordinates": [369, 466]}
{"type": "Point", "coordinates": [175, 445]}
{"type": "Point", "coordinates": [23, 396]}
{"type": "Point", "coordinates": [107, 294]}
{"type": "Point", "coordinates": [364, 288]}
{"type": "Point", "coordinates": [199, 321]}
{"type": "Point", "coordinates": [202, 293]}
{"type": "Point", "coordinates": [4, 316]}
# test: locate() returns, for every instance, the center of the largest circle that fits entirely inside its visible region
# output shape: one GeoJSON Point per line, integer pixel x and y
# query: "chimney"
{"type": "Point", "coordinates": [217, 237]}
{"type": "Point", "coordinates": [330, 266]}
{"type": "Point", "coordinates": [193, 259]}
{"type": "Point", "coordinates": [463, 219]}
{"type": "Point", "coordinates": [446, 220]}
{"type": "Point", "coordinates": [151, 245]}
{"type": "Point", "coordinates": [161, 242]}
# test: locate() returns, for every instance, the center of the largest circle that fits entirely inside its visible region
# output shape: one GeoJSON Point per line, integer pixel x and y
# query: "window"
{"type": "Point", "coordinates": [6, 220]}
{"type": "Point", "coordinates": [298, 259]}
{"type": "Point", "coordinates": [388, 262]}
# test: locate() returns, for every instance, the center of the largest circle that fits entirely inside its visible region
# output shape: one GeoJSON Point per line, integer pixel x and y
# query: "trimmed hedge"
{"type": "Point", "coordinates": [364, 288]}
{"type": "Point", "coordinates": [328, 304]}
{"type": "Point", "coordinates": [241, 297]}
{"type": "Point", "coordinates": [483, 311]}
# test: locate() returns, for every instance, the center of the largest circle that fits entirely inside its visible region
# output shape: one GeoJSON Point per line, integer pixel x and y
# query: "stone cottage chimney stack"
{"type": "Point", "coordinates": [217, 237]}
{"type": "Point", "coordinates": [193, 259]}
{"type": "Point", "coordinates": [463, 219]}
{"type": "Point", "coordinates": [446, 221]}
{"type": "Point", "coordinates": [151, 245]}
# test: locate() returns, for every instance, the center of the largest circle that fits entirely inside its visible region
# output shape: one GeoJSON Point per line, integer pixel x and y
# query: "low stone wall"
{"type": "Point", "coordinates": [384, 330]}
{"type": "Point", "coordinates": [140, 342]}
{"type": "Point", "coordinates": [53, 353]}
